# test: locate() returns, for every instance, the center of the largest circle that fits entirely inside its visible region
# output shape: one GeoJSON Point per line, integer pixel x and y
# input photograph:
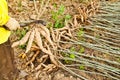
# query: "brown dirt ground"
{"type": "Point", "coordinates": [23, 10]}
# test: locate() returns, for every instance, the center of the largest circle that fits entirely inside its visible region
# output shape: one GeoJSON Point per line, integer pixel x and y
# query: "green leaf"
{"type": "Point", "coordinates": [21, 33]}
{"type": "Point", "coordinates": [67, 17]}
{"type": "Point", "coordinates": [54, 15]}
{"type": "Point", "coordinates": [61, 9]}
{"type": "Point", "coordinates": [59, 24]}
{"type": "Point", "coordinates": [82, 50]}
{"type": "Point", "coordinates": [72, 56]}
{"type": "Point", "coordinates": [81, 67]}
{"type": "Point", "coordinates": [72, 49]}
{"type": "Point", "coordinates": [55, 5]}
{"type": "Point", "coordinates": [80, 33]}
{"type": "Point", "coordinates": [22, 46]}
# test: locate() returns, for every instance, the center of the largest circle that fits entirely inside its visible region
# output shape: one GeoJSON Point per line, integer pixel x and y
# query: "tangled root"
{"type": "Point", "coordinates": [45, 40]}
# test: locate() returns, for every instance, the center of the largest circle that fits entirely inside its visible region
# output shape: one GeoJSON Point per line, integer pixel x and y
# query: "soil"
{"type": "Point", "coordinates": [24, 10]}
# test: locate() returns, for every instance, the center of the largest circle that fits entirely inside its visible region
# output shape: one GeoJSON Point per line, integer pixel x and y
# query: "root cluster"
{"type": "Point", "coordinates": [35, 35]}
{"type": "Point", "coordinates": [43, 41]}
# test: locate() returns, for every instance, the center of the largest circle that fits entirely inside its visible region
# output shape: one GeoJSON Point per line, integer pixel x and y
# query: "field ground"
{"type": "Point", "coordinates": [74, 39]}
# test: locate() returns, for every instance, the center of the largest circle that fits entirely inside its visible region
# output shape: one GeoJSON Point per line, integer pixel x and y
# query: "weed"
{"type": "Point", "coordinates": [82, 50]}
{"type": "Point", "coordinates": [67, 17]}
{"type": "Point", "coordinates": [59, 18]}
{"type": "Point", "coordinates": [21, 33]}
{"type": "Point", "coordinates": [80, 32]}
{"type": "Point", "coordinates": [72, 49]}
{"type": "Point", "coordinates": [22, 46]}
{"type": "Point", "coordinates": [81, 67]}
{"type": "Point", "coordinates": [71, 55]}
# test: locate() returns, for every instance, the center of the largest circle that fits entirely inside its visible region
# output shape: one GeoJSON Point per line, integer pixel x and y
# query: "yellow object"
{"type": "Point", "coordinates": [22, 55]}
{"type": "Point", "coordinates": [4, 17]}
{"type": "Point", "coordinates": [4, 34]}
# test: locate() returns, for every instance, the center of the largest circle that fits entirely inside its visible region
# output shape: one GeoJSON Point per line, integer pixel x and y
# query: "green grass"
{"type": "Point", "coordinates": [59, 17]}
{"type": "Point", "coordinates": [21, 33]}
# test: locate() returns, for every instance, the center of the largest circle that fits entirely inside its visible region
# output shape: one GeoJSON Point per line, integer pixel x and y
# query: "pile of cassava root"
{"type": "Point", "coordinates": [34, 35]}
{"type": "Point", "coordinates": [47, 41]}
